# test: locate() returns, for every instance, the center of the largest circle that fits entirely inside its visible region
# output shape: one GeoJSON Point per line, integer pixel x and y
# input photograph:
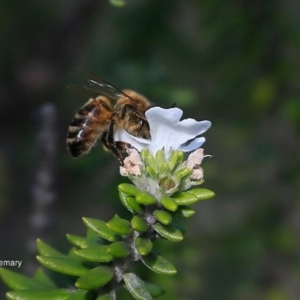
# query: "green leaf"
{"type": "Point", "coordinates": [149, 159]}
{"type": "Point", "coordinates": [130, 203]}
{"type": "Point", "coordinates": [46, 250]}
{"type": "Point", "coordinates": [82, 295]}
{"type": "Point", "coordinates": [181, 156]}
{"type": "Point", "coordinates": [136, 287]}
{"type": "Point", "coordinates": [118, 249]}
{"type": "Point", "coordinates": [107, 296]}
{"type": "Point", "coordinates": [119, 226]}
{"type": "Point", "coordinates": [17, 281]}
{"type": "Point", "coordinates": [64, 265]}
{"type": "Point", "coordinates": [123, 197]}
{"type": "Point", "coordinates": [169, 204]}
{"type": "Point", "coordinates": [151, 172]}
{"type": "Point", "coordinates": [136, 207]}
{"type": "Point", "coordinates": [184, 212]}
{"type": "Point", "coordinates": [94, 254]}
{"type": "Point", "coordinates": [160, 157]}
{"type": "Point", "coordinates": [145, 198]}
{"type": "Point", "coordinates": [158, 264]}
{"type": "Point", "coordinates": [41, 276]}
{"type": "Point", "coordinates": [100, 228]}
{"type": "Point", "coordinates": [139, 224]}
{"type": "Point", "coordinates": [154, 290]}
{"type": "Point", "coordinates": [163, 216]}
{"type": "Point", "coordinates": [144, 154]}
{"type": "Point", "coordinates": [128, 189]}
{"type": "Point", "coordinates": [83, 242]}
{"type": "Point", "coordinates": [192, 196]}
{"type": "Point", "coordinates": [95, 278]}
{"type": "Point", "coordinates": [92, 235]}
{"type": "Point", "coordinates": [174, 159]}
{"type": "Point", "coordinates": [143, 246]}
{"type": "Point", "coordinates": [71, 253]}
{"type": "Point", "coordinates": [185, 198]}
{"type": "Point", "coordinates": [181, 173]}
{"type": "Point", "coordinates": [202, 194]}
{"type": "Point", "coordinates": [59, 294]}
{"type": "Point", "coordinates": [164, 170]}
{"type": "Point", "coordinates": [169, 232]}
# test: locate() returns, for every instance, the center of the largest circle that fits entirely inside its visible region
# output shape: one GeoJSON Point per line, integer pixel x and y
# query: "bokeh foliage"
{"type": "Point", "coordinates": [233, 62]}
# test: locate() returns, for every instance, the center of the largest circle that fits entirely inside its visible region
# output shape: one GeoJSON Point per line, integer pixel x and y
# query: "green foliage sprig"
{"type": "Point", "coordinates": [102, 261]}
{"type": "Point", "coordinates": [159, 199]}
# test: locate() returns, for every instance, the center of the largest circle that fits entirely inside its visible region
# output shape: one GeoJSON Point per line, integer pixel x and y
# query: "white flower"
{"type": "Point", "coordinates": [168, 132]}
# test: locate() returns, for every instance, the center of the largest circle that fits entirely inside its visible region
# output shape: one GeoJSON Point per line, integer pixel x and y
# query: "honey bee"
{"type": "Point", "coordinates": [107, 109]}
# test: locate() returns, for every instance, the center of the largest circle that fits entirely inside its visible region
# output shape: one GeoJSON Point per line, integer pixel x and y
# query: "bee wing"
{"type": "Point", "coordinates": [97, 86]}
{"type": "Point", "coordinates": [82, 90]}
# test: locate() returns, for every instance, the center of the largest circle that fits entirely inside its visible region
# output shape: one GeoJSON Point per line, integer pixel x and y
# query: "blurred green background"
{"type": "Point", "coordinates": [235, 63]}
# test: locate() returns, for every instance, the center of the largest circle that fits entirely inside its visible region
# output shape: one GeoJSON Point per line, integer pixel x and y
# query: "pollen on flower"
{"type": "Point", "coordinates": [132, 163]}
{"type": "Point", "coordinates": [195, 158]}
{"type": "Point", "coordinates": [197, 174]}
{"type": "Point", "coordinates": [194, 161]}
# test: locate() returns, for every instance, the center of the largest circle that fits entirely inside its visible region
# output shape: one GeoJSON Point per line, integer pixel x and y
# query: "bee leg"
{"type": "Point", "coordinates": [110, 144]}
{"type": "Point", "coordinates": [113, 149]}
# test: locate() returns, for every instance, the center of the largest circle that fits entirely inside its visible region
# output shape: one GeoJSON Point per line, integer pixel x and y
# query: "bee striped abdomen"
{"type": "Point", "coordinates": [87, 125]}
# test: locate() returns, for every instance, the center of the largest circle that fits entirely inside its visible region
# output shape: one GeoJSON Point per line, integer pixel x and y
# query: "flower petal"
{"type": "Point", "coordinates": [193, 145]}
{"type": "Point", "coordinates": [123, 136]}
